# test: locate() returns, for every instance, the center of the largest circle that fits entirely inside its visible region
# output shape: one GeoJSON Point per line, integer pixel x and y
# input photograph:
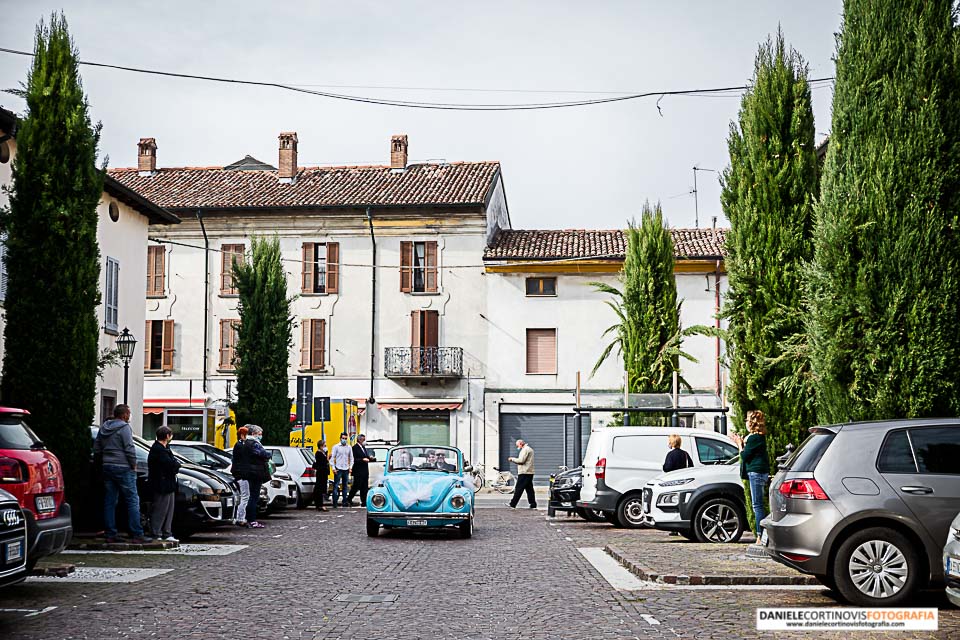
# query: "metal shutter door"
{"type": "Point", "coordinates": [545, 432]}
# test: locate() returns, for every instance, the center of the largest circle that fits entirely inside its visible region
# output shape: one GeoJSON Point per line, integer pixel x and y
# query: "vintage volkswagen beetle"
{"type": "Point", "coordinates": [422, 487]}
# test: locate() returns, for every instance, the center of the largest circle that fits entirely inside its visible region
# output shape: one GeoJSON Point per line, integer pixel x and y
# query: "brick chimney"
{"type": "Point", "coordinates": [147, 156]}
{"type": "Point", "coordinates": [398, 152]}
{"type": "Point", "coordinates": [288, 157]}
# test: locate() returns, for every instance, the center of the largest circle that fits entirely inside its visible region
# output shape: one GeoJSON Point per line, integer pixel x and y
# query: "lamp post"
{"type": "Point", "coordinates": [126, 343]}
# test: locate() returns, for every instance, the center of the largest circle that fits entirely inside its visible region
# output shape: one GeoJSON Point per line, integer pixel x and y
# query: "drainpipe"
{"type": "Point", "coordinates": [373, 304]}
{"type": "Point", "coordinates": [206, 297]}
{"type": "Point", "coordinates": [717, 315]}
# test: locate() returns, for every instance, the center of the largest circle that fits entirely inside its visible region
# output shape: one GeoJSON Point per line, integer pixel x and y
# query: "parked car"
{"type": "Point", "coordinates": [33, 475]}
{"type": "Point", "coordinates": [415, 493]}
{"type": "Point", "coordinates": [13, 540]}
{"type": "Point", "coordinates": [619, 461]}
{"type": "Point", "coordinates": [298, 463]}
{"type": "Point", "coordinates": [565, 492]}
{"type": "Point", "coordinates": [705, 504]}
{"type": "Point", "coordinates": [205, 497]}
{"type": "Point", "coordinates": [865, 507]}
{"type": "Point", "coordinates": [951, 562]}
{"type": "Point", "coordinates": [379, 449]}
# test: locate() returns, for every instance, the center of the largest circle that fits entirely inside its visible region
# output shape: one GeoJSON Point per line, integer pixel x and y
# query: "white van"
{"type": "Point", "coordinates": [619, 461]}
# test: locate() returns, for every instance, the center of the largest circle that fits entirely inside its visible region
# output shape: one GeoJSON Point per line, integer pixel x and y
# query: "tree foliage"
{"type": "Point", "coordinates": [52, 332]}
{"type": "Point", "coordinates": [264, 338]}
{"type": "Point", "coordinates": [768, 195]}
{"type": "Point", "coordinates": [884, 281]}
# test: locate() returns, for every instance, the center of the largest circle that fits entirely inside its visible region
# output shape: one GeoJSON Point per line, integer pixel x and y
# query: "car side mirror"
{"type": "Point", "coordinates": [468, 468]}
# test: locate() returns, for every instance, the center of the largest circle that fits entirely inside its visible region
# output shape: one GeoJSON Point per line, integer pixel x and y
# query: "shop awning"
{"type": "Point", "coordinates": [153, 411]}
{"type": "Point", "coordinates": [421, 405]}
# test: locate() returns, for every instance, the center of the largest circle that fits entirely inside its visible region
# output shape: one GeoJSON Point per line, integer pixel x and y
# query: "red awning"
{"type": "Point", "coordinates": [153, 411]}
{"type": "Point", "coordinates": [421, 406]}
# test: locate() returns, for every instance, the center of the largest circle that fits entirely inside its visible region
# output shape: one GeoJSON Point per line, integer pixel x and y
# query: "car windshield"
{"type": "Point", "coordinates": [14, 434]}
{"type": "Point", "coordinates": [424, 459]}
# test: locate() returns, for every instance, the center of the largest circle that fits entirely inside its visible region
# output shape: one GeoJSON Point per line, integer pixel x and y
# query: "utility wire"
{"type": "Point", "coordinates": [442, 106]}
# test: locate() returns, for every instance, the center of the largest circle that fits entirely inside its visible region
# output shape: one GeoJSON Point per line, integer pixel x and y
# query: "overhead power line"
{"type": "Point", "coordinates": [410, 104]}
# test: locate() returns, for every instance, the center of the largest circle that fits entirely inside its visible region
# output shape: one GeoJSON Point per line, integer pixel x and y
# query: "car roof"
{"type": "Point", "coordinates": [659, 431]}
{"type": "Point", "coordinates": [890, 423]}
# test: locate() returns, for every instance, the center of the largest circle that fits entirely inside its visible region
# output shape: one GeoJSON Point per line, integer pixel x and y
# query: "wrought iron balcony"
{"type": "Point", "coordinates": [423, 362]}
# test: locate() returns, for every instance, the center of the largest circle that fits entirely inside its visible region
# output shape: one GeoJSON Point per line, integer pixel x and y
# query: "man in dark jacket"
{"type": "Point", "coordinates": [322, 466]}
{"type": "Point", "coordinates": [361, 471]}
{"type": "Point", "coordinates": [114, 444]}
{"type": "Point", "coordinates": [163, 467]}
{"type": "Point", "coordinates": [250, 464]}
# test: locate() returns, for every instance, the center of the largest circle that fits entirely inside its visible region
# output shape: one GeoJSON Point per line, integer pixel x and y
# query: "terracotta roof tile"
{"type": "Point", "coordinates": [458, 183]}
{"type": "Point", "coordinates": [520, 244]}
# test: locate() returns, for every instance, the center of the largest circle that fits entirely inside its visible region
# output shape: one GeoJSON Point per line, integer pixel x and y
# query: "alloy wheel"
{"type": "Point", "coordinates": [878, 569]}
{"type": "Point", "coordinates": [719, 523]}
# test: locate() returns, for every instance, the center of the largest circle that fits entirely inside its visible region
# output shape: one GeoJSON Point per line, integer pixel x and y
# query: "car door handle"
{"type": "Point", "coordinates": [917, 490]}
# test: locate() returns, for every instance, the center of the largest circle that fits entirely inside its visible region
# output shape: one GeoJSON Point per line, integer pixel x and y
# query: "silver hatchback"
{"type": "Point", "coordinates": [865, 507]}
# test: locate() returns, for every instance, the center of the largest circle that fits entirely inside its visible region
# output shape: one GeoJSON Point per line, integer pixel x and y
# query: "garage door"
{"type": "Point", "coordinates": [425, 429]}
{"type": "Point", "coordinates": [550, 435]}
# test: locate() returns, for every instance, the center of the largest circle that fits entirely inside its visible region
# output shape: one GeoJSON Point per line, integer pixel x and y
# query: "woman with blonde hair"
{"type": "Point", "coordinates": [677, 458]}
{"type": "Point", "coordinates": [754, 464]}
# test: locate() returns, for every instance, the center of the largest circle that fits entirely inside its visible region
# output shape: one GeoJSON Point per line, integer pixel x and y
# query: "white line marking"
{"type": "Point", "coordinates": [37, 613]}
{"type": "Point", "coordinates": [279, 535]}
{"type": "Point", "coordinates": [303, 527]}
{"type": "Point", "coordinates": [99, 574]}
{"type": "Point", "coordinates": [568, 539]}
{"type": "Point", "coordinates": [618, 577]}
{"type": "Point", "coordinates": [650, 619]}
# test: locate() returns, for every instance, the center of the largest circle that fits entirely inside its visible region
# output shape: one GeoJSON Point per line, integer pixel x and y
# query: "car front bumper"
{"type": "Point", "coordinates": [48, 536]}
{"type": "Point", "coordinates": [403, 518]}
{"type": "Point", "coordinates": [564, 498]}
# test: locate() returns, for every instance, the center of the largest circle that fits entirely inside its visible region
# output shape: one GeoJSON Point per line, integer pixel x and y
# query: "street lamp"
{"type": "Point", "coordinates": [126, 343]}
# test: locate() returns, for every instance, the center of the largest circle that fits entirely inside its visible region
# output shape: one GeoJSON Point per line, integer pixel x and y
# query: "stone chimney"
{"type": "Point", "coordinates": [398, 152]}
{"type": "Point", "coordinates": [147, 156]}
{"type": "Point", "coordinates": [288, 157]}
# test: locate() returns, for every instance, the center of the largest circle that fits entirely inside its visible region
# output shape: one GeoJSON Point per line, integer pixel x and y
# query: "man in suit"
{"type": "Point", "coordinates": [361, 471]}
{"type": "Point", "coordinates": [442, 463]}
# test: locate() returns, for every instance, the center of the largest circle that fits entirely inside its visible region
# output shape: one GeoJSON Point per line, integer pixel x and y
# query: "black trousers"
{"type": "Point", "coordinates": [524, 483]}
{"type": "Point", "coordinates": [361, 482]}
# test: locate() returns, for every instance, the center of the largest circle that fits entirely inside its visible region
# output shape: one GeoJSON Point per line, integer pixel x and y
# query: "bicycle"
{"type": "Point", "coordinates": [505, 482]}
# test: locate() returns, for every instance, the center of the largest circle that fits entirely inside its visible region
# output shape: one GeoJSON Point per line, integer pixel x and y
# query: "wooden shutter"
{"type": "Point", "coordinates": [147, 344]}
{"type": "Point", "coordinates": [167, 358]}
{"type": "Point", "coordinates": [406, 266]}
{"type": "Point", "coordinates": [309, 251]}
{"type": "Point", "coordinates": [227, 333]}
{"type": "Point", "coordinates": [317, 344]}
{"type": "Point", "coordinates": [542, 351]}
{"type": "Point", "coordinates": [229, 253]}
{"type": "Point", "coordinates": [430, 271]}
{"type": "Point", "coordinates": [415, 323]}
{"type": "Point", "coordinates": [305, 344]}
{"type": "Point", "coordinates": [333, 267]}
{"type": "Point", "coordinates": [156, 270]}
{"type": "Point", "coordinates": [431, 328]}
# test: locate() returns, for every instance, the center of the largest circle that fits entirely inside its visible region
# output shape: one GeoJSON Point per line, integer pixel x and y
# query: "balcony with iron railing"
{"type": "Point", "coordinates": [424, 363]}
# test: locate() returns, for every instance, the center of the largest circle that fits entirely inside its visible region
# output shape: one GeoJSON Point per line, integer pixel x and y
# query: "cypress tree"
{"type": "Point", "coordinates": [264, 338]}
{"type": "Point", "coordinates": [53, 261]}
{"type": "Point", "coordinates": [886, 270]}
{"type": "Point", "coordinates": [768, 195]}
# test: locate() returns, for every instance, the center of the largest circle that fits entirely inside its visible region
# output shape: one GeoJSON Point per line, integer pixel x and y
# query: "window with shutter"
{"type": "Point", "coordinates": [111, 298]}
{"type": "Point", "coordinates": [229, 254]}
{"type": "Point", "coordinates": [167, 359]}
{"type": "Point", "coordinates": [333, 267]}
{"type": "Point", "coordinates": [406, 266]}
{"type": "Point", "coordinates": [158, 345]}
{"type": "Point", "coordinates": [228, 343]}
{"type": "Point", "coordinates": [321, 267]}
{"type": "Point", "coordinates": [313, 341]}
{"type": "Point", "coordinates": [418, 267]}
{"type": "Point", "coordinates": [541, 287]}
{"type": "Point", "coordinates": [307, 277]}
{"type": "Point", "coordinates": [156, 271]}
{"type": "Point", "coordinates": [542, 351]}
{"type": "Point", "coordinates": [424, 340]}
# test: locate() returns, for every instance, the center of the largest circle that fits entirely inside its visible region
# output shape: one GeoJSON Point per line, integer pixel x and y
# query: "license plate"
{"type": "Point", "coordinates": [45, 503]}
{"type": "Point", "coordinates": [763, 538]}
{"type": "Point", "coordinates": [953, 566]}
{"type": "Point", "coordinates": [416, 523]}
{"type": "Point", "coordinates": [13, 551]}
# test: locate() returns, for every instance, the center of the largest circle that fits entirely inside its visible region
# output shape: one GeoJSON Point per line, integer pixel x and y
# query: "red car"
{"type": "Point", "coordinates": [33, 475]}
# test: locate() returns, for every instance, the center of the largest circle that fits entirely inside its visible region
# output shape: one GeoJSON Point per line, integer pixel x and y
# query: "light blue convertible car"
{"type": "Point", "coordinates": [422, 487]}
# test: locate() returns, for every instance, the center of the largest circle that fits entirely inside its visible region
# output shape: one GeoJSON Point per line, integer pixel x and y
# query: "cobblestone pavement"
{"type": "Point", "coordinates": [518, 577]}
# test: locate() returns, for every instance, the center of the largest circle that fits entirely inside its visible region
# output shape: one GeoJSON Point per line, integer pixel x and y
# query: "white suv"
{"type": "Point", "coordinates": [705, 504]}
{"type": "Point", "coordinates": [619, 461]}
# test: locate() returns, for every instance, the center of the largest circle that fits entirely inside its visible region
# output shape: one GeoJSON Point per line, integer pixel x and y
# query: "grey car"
{"type": "Point", "coordinates": [866, 506]}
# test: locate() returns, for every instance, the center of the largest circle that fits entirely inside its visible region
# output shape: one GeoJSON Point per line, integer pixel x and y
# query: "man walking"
{"type": "Point", "coordinates": [163, 467]}
{"type": "Point", "coordinates": [524, 462]}
{"type": "Point", "coordinates": [341, 457]}
{"type": "Point", "coordinates": [114, 444]}
{"type": "Point", "coordinates": [361, 471]}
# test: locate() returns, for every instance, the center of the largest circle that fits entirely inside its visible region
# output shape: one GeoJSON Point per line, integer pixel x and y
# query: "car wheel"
{"type": "Point", "coordinates": [718, 520]}
{"type": "Point", "coordinates": [876, 567]}
{"type": "Point", "coordinates": [551, 512]}
{"type": "Point", "coordinates": [611, 517]}
{"type": "Point", "coordinates": [373, 528]}
{"type": "Point", "coordinates": [466, 527]}
{"type": "Point", "coordinates": [689, 534]}
{"type": "Point", "coordinates": [827, 581]}
{"type": "Point", "coordinates": [630, 512]}
{"type": "Point", "coordinates": [301, 502]}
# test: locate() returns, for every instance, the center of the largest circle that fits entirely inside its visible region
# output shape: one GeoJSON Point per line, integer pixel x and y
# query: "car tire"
{"type": "Point", "coordinates": [630, 512]}
{"type": "Point", "coordinates": [827, 581]}
{"type": "Point", "coordinates": [851, 566]}
{"type": "Point", "coordinates": [689, 535]}
{"type": "Point", "coordinates": [466, 528]}
{"type": "Point", "coordinates": [718, 513]}
{"type": "Point", "coordinates": [301, 501]}
{"type": "Point", "coordinates": [373, 528]}
{"type": "Point", "coordinates": [611, 517]}
{"type": "Point", "coordinates": [551, 512]}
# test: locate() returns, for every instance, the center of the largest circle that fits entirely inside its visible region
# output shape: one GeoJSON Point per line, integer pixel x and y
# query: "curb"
{"type": "Point", "coordinates": [119, 546]}
{"type": "Point", "coordinates": [649, 575]}
{"type": "Point", "coordinates": [54, 570]}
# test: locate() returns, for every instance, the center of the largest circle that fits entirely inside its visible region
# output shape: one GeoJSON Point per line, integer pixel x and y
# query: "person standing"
{"type": "Point", "coordinates": [322, 467]}
{"type": "Point", "coordinates": [114, 444]}
{"type": "Point", "coordinates": [755, 465]}
{"type": "Point", "coordinates": [341, 459]}
{"type": "Point", "coordinates": [254, 460]}
{"type": "Point", "coordinates": [676, 458]}
{"type": "Point", "coordinates": [361, 471]}
{"type": "Point", "coordinates": [238, 468]}
{"type": "Point", "coordinates": [524, 462]}
{"type": "Point", "coordinates": [162, 467]}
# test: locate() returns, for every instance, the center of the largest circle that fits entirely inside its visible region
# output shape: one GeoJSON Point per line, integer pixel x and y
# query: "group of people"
{"type": "Point", "coordinates": [344, 459]}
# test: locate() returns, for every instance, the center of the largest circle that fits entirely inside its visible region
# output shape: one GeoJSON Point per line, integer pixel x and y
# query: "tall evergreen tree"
{"type": "Point", "coordinates": [886, 270]}
{"type": "Point", "coordinates": [53, 260]}
{"type": "Point", "coordinates": [768, 195]}
{"type": "Point", "coordinates": [647, 334]}
{"type": "Point", "coordinates": [264, 338]}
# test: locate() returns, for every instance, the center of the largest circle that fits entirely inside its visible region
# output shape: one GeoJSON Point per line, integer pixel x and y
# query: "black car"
{"type": "Point", "coordinates": [565, 491]}
{"type": "Point", "coordinates": [13, 540]}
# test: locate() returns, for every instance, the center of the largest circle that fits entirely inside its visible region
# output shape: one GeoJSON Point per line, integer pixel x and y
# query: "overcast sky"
{"type": "Point", "coordinates": [587, 167]}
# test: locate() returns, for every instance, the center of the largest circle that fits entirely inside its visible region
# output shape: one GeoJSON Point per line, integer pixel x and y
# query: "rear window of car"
{"type": "Point", "coordinates": [937, 449]}
{"type": "Point", "coordinates": [277, 456]}
{"type": "Point", "coordinates": [14, 434]}
{"type": "Point", "coordinates": [811, 450]}
{"type": "Point", "coordinates": [308, 456]}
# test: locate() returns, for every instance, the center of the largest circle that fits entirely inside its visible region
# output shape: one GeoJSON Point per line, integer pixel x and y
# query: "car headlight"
{"type": "Point", "coordinates": [275, 484]}
{"type": "Point", "coordinates": [378, 500]}
{"type": "Point", "coordinates": [668, 500]}
{"type": "Point", "coordinates": [263, 491]}
{"type": "Point", "coordinates": [200, 488]}
{"type": "Point", "coordinates": [457, 501]}
{"type": "Point", "coordinates": [676, 483]}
